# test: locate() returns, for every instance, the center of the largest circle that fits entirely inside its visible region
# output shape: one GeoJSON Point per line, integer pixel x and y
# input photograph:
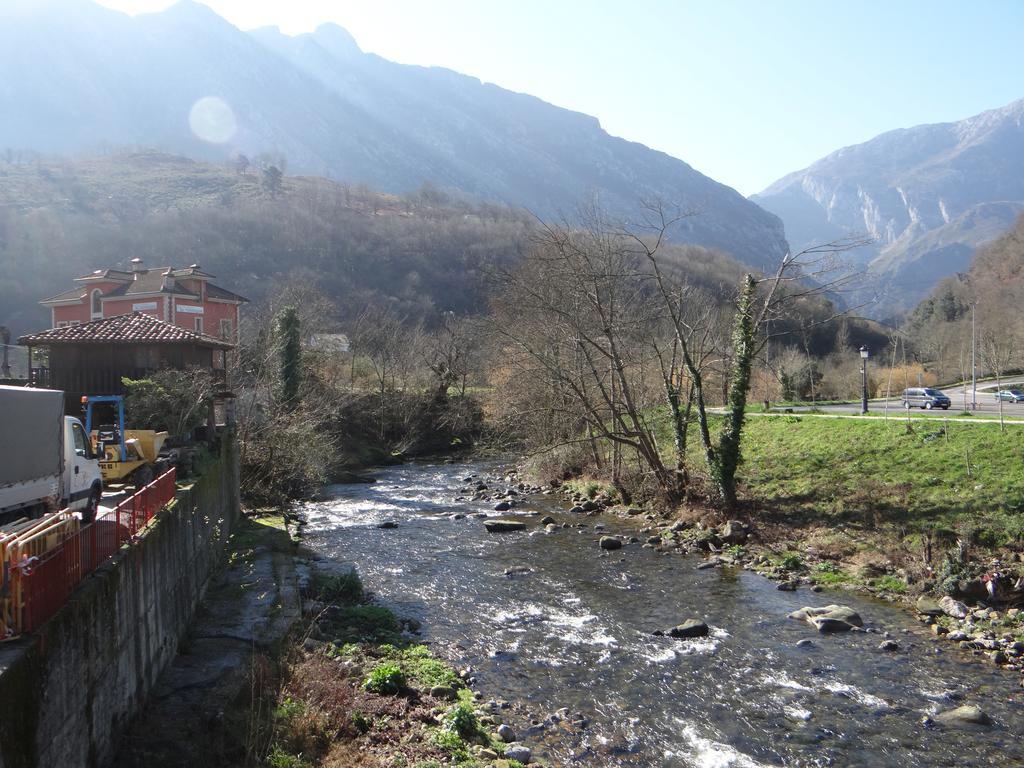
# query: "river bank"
{"type": "Point", "coordinates": [959, 610]}
{"type": "Point", "coordinates": [549, 617]}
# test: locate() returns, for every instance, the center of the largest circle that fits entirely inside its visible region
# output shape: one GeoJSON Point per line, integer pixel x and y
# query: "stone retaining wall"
{"type": "Point", "coordinates": [68, 692]}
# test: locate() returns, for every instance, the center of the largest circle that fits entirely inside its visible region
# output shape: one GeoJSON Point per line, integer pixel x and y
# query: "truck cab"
{"type": "Point", "coordinates": [82, 478]}
{"type": "Point", "coordinates": [46, 460]}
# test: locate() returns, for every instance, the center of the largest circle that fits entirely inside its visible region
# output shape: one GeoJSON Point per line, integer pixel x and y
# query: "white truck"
{"type": "Point", "coordinates": [46, 460]}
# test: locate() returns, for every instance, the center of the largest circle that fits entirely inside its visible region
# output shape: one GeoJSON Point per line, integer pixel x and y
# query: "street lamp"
{"type": "Point", "coordinates": [864, 379]}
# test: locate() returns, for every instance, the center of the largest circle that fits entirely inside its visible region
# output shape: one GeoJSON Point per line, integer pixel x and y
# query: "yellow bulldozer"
{"type": "Point", "coordinates": [126, 455]}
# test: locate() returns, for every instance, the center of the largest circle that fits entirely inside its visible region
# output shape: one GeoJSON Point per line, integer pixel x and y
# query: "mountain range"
{"type": "Point", "coordinates": [929, 196]}
{"type": "Point", "coordinates": [89, 77]}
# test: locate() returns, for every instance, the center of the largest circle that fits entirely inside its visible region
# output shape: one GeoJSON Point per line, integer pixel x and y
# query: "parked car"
{"type": "Point", "coordinates": [1010, 395]}
{"type": "Point", "coordinates": [925, 397]}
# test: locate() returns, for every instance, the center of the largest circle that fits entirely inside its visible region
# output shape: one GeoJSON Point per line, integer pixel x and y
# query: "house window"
{"type": "Point", "coordinates": [199, 325]}
{"type": "Point", "coordinates": [97, 304]}
{"type": "Point", "coordinates": [225, 329]}
{"type": "Point", "coordinates": [62, 323]}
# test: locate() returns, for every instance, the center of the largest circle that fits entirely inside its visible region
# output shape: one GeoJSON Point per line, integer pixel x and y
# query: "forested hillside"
{"type": "Point", "coordinates": [418, 254]}
{"type": "Point", "coordinates": [940, 326]}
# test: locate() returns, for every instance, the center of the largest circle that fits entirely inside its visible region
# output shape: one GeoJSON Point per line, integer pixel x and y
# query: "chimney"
{"type": "Point", "coordinates": [137, 267]}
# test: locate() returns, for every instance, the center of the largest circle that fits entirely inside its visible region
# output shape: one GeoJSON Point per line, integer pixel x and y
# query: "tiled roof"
{"type": "Point", "coordinates": [134, 328]}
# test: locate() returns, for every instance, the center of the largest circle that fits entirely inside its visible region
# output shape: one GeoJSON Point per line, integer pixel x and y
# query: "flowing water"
{"type": "Point", "coordinates": [576, 631]}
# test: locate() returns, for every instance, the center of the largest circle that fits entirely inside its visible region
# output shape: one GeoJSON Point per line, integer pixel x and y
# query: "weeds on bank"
{"type": "Point", "coordinates": [366, 691]}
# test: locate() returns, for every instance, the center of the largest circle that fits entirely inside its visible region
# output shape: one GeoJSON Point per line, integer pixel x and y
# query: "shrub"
{"type": "Point", "coordinates": [463, 720]}
{"type": "Point", "coordinates": [172, 401]}
{"type": "Point", "coordinates": [361, 722]}
{"type": "Point", "coordinates": [386, 679]}
{"type": "Point", "coordinates": [451, 743]}
{"type": "Point", "coordinates": [343, 588]}
{"type": "Point", "coordinates": [278, 758]}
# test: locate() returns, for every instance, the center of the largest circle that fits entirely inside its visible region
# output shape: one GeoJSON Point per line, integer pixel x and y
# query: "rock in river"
{"type": "Point", "coordinates": [966, 715]}
{"type": "Point", "coordinates": [689, 628]}
{"type": "Point", "coordinates": [517, 752]}
{"type": "Point", "coordinates": [387, 524]}
{"type": "Point", "coordinates": [504, 526]}
{"type": "Point", "coordinates": [953, 608]}
{"type": "Point", "coordinates": [733, 532]}
{"type": "Point", "coordinates": [610, 542]}
{"type": "Point", "coordinates": [502, 506]}
{"type": "Point", "coordinates": [831, 618]}
{"type": "Point", "coordinates": [926, 606]}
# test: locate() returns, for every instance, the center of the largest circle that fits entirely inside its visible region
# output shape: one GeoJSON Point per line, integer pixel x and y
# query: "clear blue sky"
{"type": "Point", "coordinates": [744, 91]}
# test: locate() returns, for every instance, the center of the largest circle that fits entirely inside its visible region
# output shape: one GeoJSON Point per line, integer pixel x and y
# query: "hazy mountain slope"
{"type": "Point", "coordinates": [929, 195]}
{"type": "Point", "coordinates": [420, 254]}
{"type": "Point", "coordinates": [332, 110]}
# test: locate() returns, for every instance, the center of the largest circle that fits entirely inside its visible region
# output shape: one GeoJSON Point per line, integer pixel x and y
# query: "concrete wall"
{"type": "Point", "coordinates": [67, 694]}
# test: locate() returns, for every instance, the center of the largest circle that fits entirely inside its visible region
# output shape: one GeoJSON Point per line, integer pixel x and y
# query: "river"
{"type": "Point", "coordinates": [576, 632]}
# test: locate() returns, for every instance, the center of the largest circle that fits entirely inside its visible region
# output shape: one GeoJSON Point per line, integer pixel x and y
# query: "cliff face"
{"type": "Point", "coordinates": [332, 110]}
{"type": "Point", "coordinates": [929, 196]}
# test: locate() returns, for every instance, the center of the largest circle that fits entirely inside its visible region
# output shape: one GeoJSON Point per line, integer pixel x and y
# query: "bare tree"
{"type": "Point", "coordinates": [998, 351]}
{"type": "Point", "coordinates": [813, 272]}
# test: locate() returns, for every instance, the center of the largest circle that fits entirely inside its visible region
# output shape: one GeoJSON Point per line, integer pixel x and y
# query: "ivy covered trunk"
{"type": "Point", "coordinates": [727, 457]}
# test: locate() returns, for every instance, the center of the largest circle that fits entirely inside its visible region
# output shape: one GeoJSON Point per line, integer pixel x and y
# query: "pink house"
{"type": "Point", "coordinates": [183, 297]}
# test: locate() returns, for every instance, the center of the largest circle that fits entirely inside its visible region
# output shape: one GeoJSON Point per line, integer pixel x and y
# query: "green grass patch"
{"type": "Point", "coordinates": [590, 488]}
{"type": "Point", "coordinates": [871, 473]}
{"type": "Point", "coordinates": [890, 584]}
{"type": "Point", "coordinates": [421, 667]}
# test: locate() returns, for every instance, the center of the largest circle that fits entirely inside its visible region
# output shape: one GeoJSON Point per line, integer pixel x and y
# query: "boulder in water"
{"type": "Point", "coordinates": [926, 606]}
{"type": "Point", "coordinates": [966, 715]}
{"type": "Point", "coordinates": [504, 526]}
{"type": "Point", "coordinates": [689, 628]}
{"type": "Point", "coordinates": [610, 542]}
{"type": "Point", "coordinates": [502, 506]}
{"type": "Point", "coordinates": [547, 520]}
{"type": "Point", "coordinates": [830, 618]}
{"type": "Point", "coordinates": [388, 524]}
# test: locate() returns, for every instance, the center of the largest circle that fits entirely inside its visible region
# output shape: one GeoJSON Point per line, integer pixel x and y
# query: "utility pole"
{"type": "Point", "coordinates": [864, 380]}
{"type": "Point", "coordinates": [974, 366]}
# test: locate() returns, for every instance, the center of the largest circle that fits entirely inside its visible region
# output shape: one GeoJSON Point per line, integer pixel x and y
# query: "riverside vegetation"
{"type": "Point", "coordinates": [355, 685]}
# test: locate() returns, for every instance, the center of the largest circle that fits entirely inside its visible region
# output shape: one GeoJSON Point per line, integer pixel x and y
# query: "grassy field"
{"type": "Point", "coordinates": [881, 477]}
{"type": "Point", "coordinates": [871, 474]}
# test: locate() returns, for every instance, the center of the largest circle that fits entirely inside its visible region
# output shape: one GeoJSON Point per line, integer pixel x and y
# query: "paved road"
{"type": "Point", "coordinates": [986, 402]}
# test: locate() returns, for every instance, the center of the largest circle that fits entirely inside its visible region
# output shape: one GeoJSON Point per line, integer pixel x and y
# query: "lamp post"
{"type": "Point", "coordinates": [864, 379]}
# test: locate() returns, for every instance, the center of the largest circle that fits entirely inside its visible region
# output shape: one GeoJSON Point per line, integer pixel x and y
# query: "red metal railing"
{"type": "Point", "coordinates": [42, 585]}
